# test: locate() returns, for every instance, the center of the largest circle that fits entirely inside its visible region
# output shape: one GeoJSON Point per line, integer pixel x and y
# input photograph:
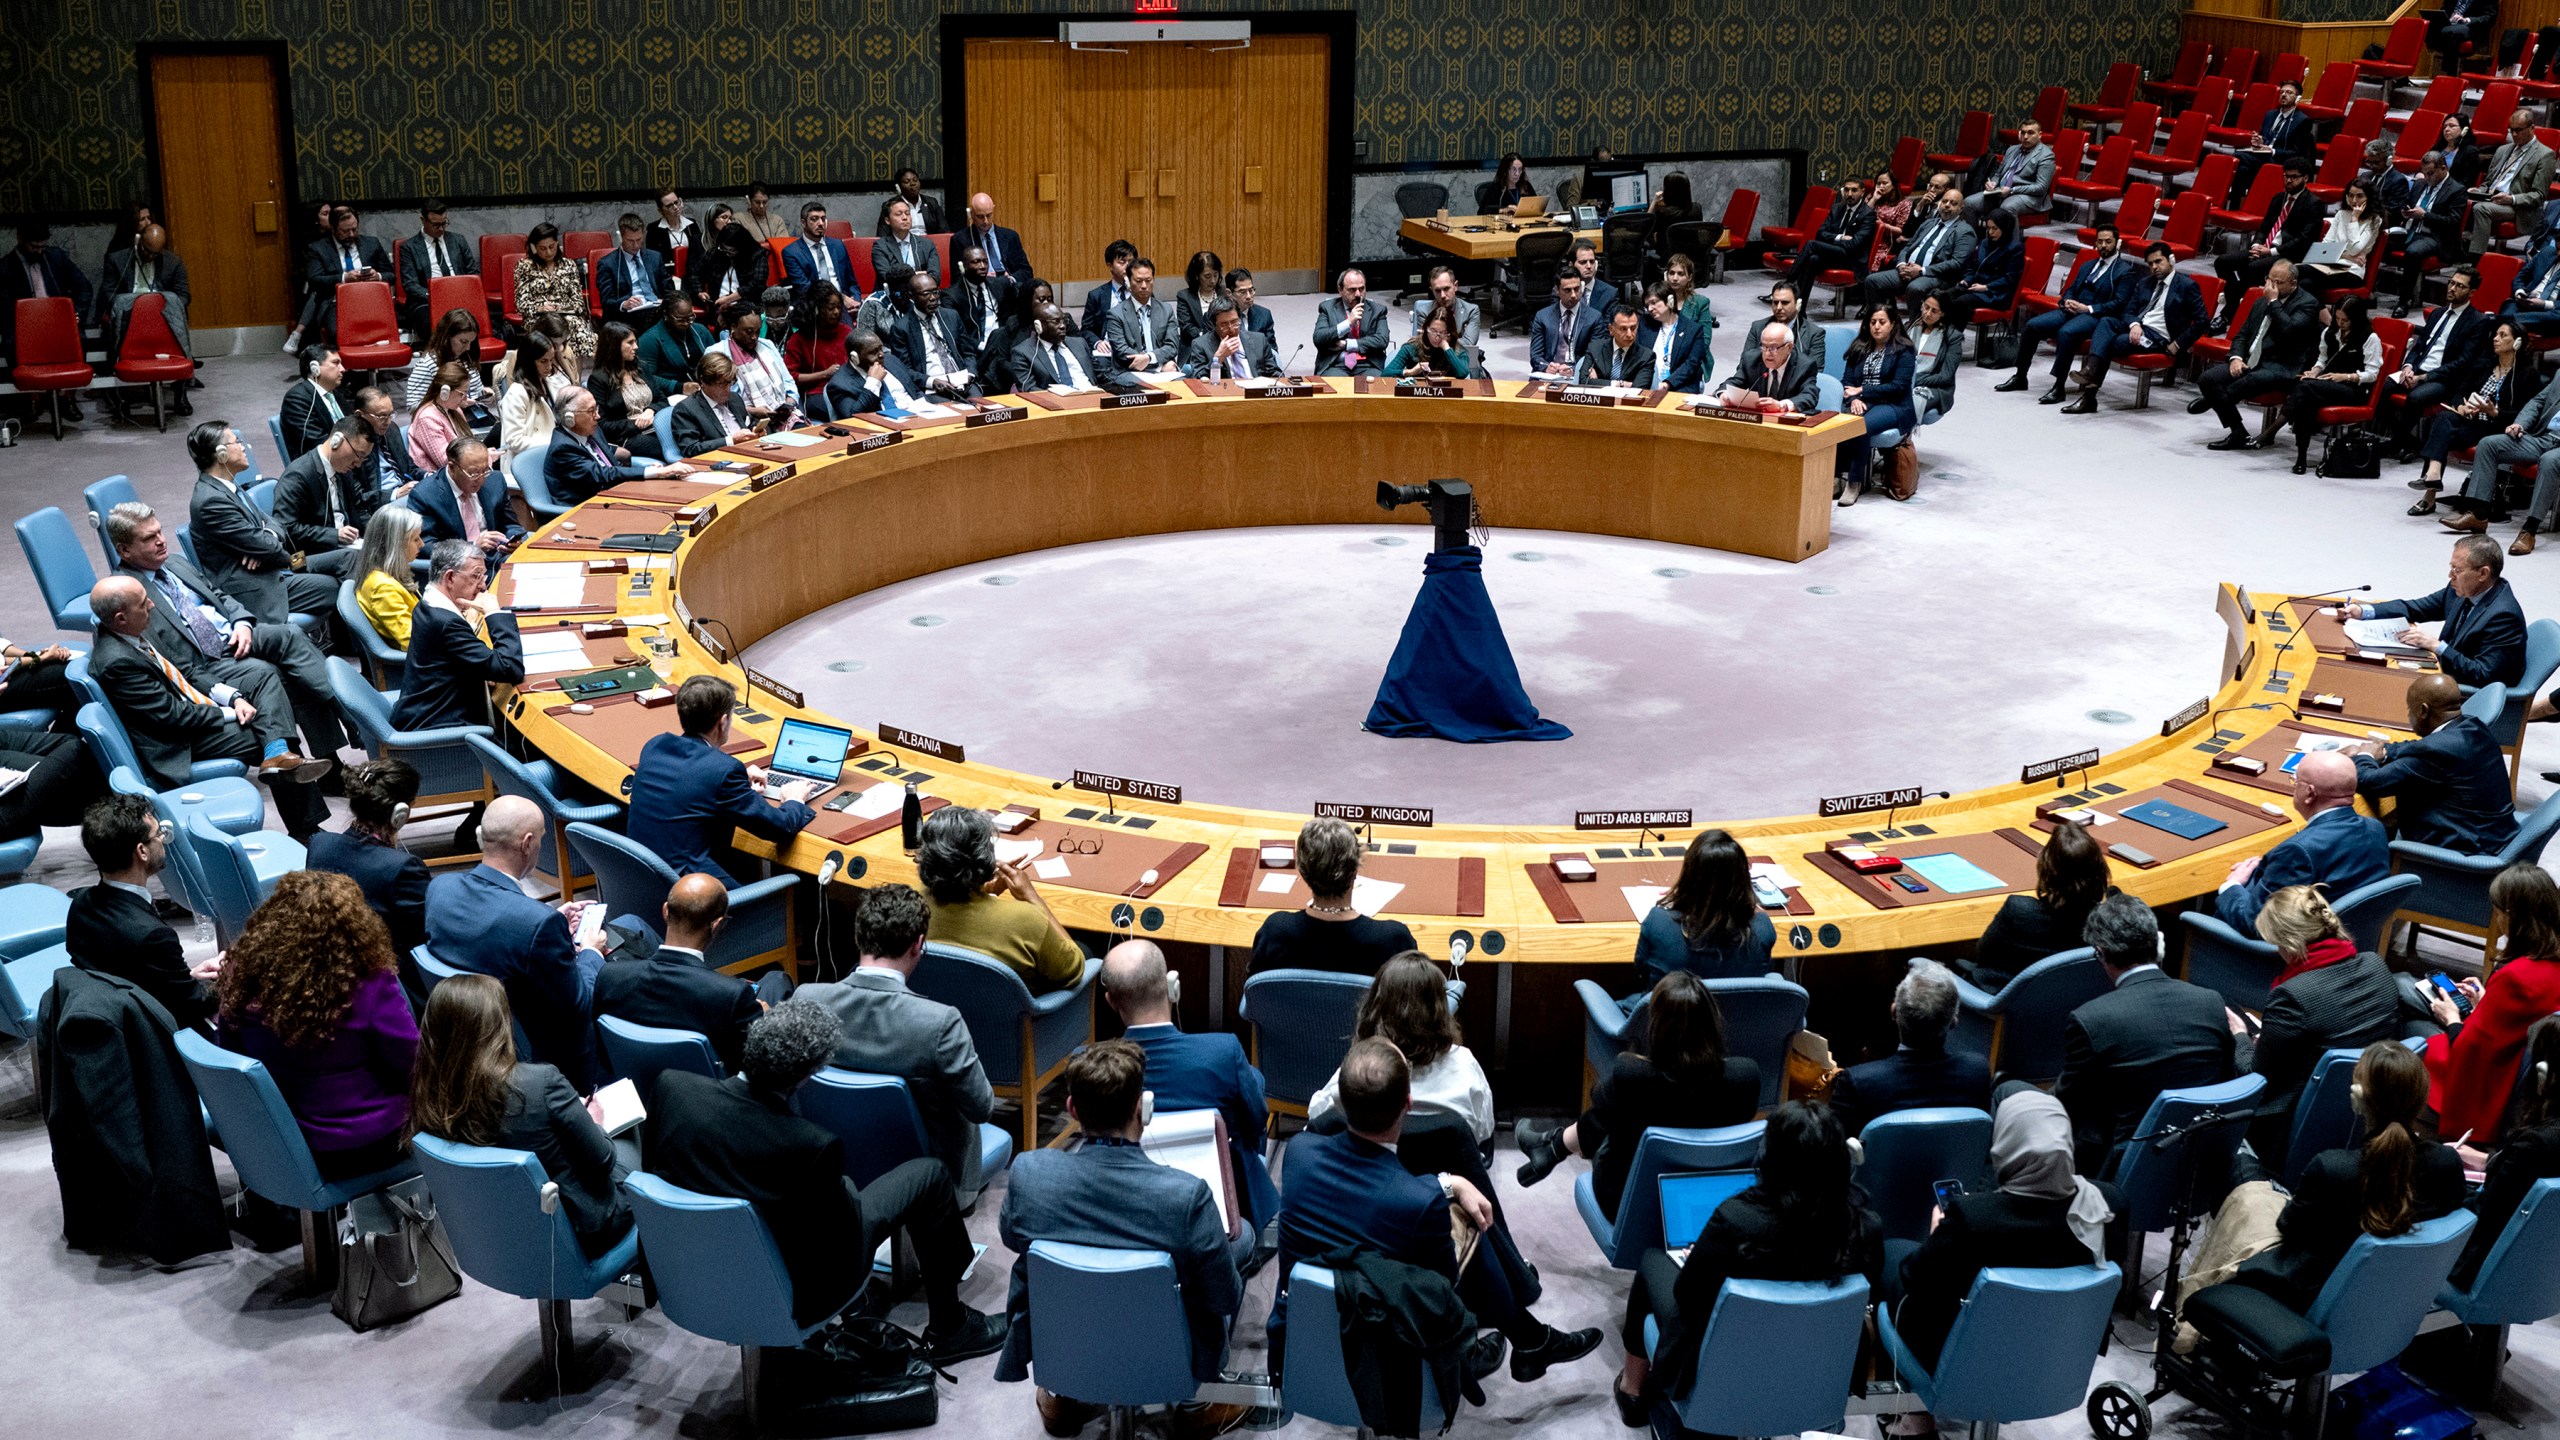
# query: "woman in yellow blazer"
{"type": "Point", "coordinates": [384, 594]}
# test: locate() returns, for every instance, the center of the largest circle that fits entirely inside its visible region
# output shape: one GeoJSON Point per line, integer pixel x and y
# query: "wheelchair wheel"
{"type": "Point", "coordinates": [2117, 1411]}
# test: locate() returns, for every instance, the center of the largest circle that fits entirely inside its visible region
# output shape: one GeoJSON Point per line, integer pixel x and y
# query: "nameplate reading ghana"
{"type": "Point", "coordinates": [869, 443]}
{"type": "Point", "coordinates": [1563, 396]}
{"type": "Point", "coordinates": [2186, 717]}
{"type": "Point", "coordinates": [1144, 397]}
{"type": "Point", "coordinates": [994, 416]}
{"type": "Point", "coordinates": [1131, 789]}
{"type": "Point", "coordinates": [1416, 816]}
{"type": "Point", "coordinates": [1834, 806]}
{"type": "Point", "coordinates": [1632, 819]}
{"type": "Point", "coordinates": [2058, 765]}
{"type": "Point", "coordinates": [773, 477]}
{"type": "Point", "coordinates": [773, 687]}
{"type": "Point", "coordinates": [922, 744]}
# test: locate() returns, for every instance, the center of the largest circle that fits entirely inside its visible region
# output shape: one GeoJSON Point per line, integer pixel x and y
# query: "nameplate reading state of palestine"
{"type": "Point", "coordinates": [995, 416]}
{"type": "Point", "coordinates": [2058, 765]}
{"type": "Point", "coordinates": [1413, 815]}
{"type": "Point", "coordinates": [773, 687]}
{"type": "Point", "coordinates": [869, 443]}
{"type": "Point", "coordinates": [773, 477]}
{"type": "Point", "coordinates": [1631, 820]}
{"type": "Point", "coordinates": [1833, 806]}
{"type": "Point", "coordinates": [1725, 412]}
{"type": "Point", "coordinates": [2186, 717]}
{"type": "Point", "coordinates": [1132, 789]}
{"type": "Point", "coordinates": [1143, 397]}
{"type": "Point", "coordinates": [922, 744]}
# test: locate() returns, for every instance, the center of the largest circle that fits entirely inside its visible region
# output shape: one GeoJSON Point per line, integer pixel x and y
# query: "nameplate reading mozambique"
{"type": "Point", "coordinates": [773, 687]}
{"type": "Point", "coordinates": [1143, 397]}
{"type": "Point", "coordinates": [773, 477]}
{"type": "Point", "coordinates": [869, 443]}
{"type": "Point", "coordinates": [684, 616]}
{"type": "Point", "coordinates": [1416, 816]}
{"type": "Point", "coordinates": [1133, 789]}
{"type": "Point", "coordinates": [922, 744]}
{"type": "Point", "coordinates": [1833, 806]}
{"type": "Point", "coordinates": [1578, 397]}
{"type": "Point", "coordinates": [2186, 717]}
{"type": "Point", "coordinates": [1631, 819]}
{"type": "Point", "coordinates": [995, 416]}
{"type": "Point", "coordinates": [2058, 765]}
{"type": "Point", "coordinates": [1277, 391]}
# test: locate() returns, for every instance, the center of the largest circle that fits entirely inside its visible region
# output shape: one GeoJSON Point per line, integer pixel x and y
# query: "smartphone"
{"type": "Point", "coordinates": [1947, 1191]}
{"type": "Point", "coordinates": [844, 801]}
{"type": "Point", "coordinates": [1768, 894]}
{"type": "Point", "coordinates": [1907, 883]}
{"type": "Point", "coordinates": [2453, 992]}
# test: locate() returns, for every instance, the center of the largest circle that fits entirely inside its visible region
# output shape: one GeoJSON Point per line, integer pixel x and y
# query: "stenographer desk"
{"type": "Point", "coordinates": [1482, 237]}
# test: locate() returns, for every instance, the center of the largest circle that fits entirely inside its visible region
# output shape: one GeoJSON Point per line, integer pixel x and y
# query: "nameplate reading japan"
{"type": "Point", "coordinates": [993, 415]}
{"type": "Point", "coordinates": [1127, 788]}
{"type": "Point", "coordinates": [1280, 390]}
{"type": "Point", "coordinates": [1631, 819]}
{"type": "Point", "coordinates": [2058, 765]}
{"type": "Point", "coordinates": [1414, 815]}
{"type": "Point", "coordinates": [1143, 397]}
{"type": "Point", "coordinates": [869, 443]}
{"type": "Point", "coordinates": [922, 744]}
{"type": "Point", "coordinates": [2186, 717]}
{"type": "Point", "coordinates": [1834, 806]}
{"type": "Point", "coordinates": [773, 687]}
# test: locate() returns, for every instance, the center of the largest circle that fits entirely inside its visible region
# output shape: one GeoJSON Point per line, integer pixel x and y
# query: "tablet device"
{"type": "Point", "coordinates": [1690, 1197]}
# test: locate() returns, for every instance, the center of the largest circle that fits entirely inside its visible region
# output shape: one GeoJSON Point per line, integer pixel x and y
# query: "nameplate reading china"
{"type": "Point", "coordinates": [996, 415]}
{"type": "Point", "coordinates": [1143, 397]}
{"type": "Point", "coordinates": [1132, 789]}
{"type": "Point", "coordinates": [773, 687]}
{"type": "Point", "coordinates": [1834, 806]}
{"type": "Point", "coordinates": [1631, 819]}
{"type": "Point", "coordinates": [2058, 765]}
{"type": "Point", "coordinates": [773, 477]}
{"type": "Point", "coordinates": [922, 744]}
{"type": "Point", "coordinates": [2186, 717]}
{"type": "Point", "coordinates": [1417, 816]}
{"type": "Point", "coordinates": [869, 443]}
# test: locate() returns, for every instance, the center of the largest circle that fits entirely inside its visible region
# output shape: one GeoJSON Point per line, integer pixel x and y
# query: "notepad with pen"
{"type": "Point", "coordinates": [2178, 820]}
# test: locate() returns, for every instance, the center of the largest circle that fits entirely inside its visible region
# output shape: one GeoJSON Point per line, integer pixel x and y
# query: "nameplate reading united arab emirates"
{"type": "Point", "coordinates": [773, 687]}
{"type": "Point", "coordinates": [1414, 815]}
{"type": "Point", "coordinates": [1132, 789]}
{"type": "Point", "coordinates": [869, 443]}
{"type": "Point", "coordinates": [1631, 819]}
{"type": "Point", "coordinates": [1834, 806]}
{"type": "Point", "coordinates": [995, 415]}
{"type": "Point", "coordinates": [2058, 765]}
{"type": "Point", "coordinates": [1143, 397]}
{"type": "Point", "coordinates": [2186, 717]}
{"type": "Point", "coordinates": [922, 744]}
{"type": "Point", "coordinates": [773, 477]}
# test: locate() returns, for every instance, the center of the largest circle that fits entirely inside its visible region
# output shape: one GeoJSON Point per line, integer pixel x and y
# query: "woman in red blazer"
{"type": "Point", "coordinates": [2472, 1066]}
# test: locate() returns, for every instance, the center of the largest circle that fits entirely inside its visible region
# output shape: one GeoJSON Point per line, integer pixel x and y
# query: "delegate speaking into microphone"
{"type": "Point", "coordinates": [2483, 636]}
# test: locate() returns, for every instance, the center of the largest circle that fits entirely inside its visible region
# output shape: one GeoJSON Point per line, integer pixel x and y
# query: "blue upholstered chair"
{"type": "Point", "coordinates": [526, 470]}
{"type": "Point", "coordinates": [1302, 1022]}
{"type": "Point", "coordinates": [1637, 1227]}
{"type": "Point", "coordinates": [1108, 1327]}
{"type": "Point", "coordinates": [2324, 1116]}
{"type": "Point", "coordinates": [2021, 1348]}
{"type": "Point", "coordinates": [718, 1274]}
{"type": "Point", "coordinates": [2378, 1295]}
{"type": "Point", "coordinates": [877, 1117]}
{"type": "Point", "coordinates": [2541, 659]}
{"type": "Point", "coordinates": [104, 496]}
{"type": "Point", "coordinates": [1317, 1383]}
{"type": "Point", "coordinates": [2151, 1178]}
{"type": "Point", "coordinates": [434, 970]}
{"type": "Point", "coordinates": [1762, 1014]}
{"type": "Point", "coordinates": [2019, 1031]}
{"type": "Point", "coordinates": [632, 881]}
{"type": "Point", "coordinates": [2241, 970]}
{"type": "Point", "coordinates": [509, 1233]}
{"type": "Point", "coordinates": [1909, 1151]}
{"type": "Point", "coordinates": [284, 457]}
{"type": "Point", "coordinates": [384, 662]}
{"type": "Point", "coordinates": [2518, 1284]}
{"type": "Point", "coordinates": [560, 798]}
{"type": "Point", "coordinates": [1775, 1358]}
{"type": "Point", "coordinates": [1023, 1040]}
{"type": "Point", "coordinates": [62, 568]}
{"type": "Point", "coordinates": [2453, 893]}
{"type": "Point", "coordinates": [639, 1053]}
{"type": "Point", "coordinates": [237, 872]}
{"type": "Point", "coordinates": [31, 918]}
{"type": "Point", "coordinates": [448, 769]}
{"type": "Point", "coordinates": [23, 981]}
{"type": "Point", "coordinates": [665, 425]}
{"type": "Point", "coordinates": [216, 787]}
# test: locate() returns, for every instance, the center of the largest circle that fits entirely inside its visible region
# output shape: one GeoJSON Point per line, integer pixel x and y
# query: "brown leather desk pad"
{"type": "Point", "coordinates": [2275, 747]}
{"type": "Point", "coordinates": [1125, 857]}
{"type": "Point", "coordinates": [847, 829]}
{"type": "Point", "coordinates": [878, 421]}
{"type": "Point", "coordinates": [2375, 694]}
{"type": "Point", "coordinates": [1442, 885]}
{"type": "Point", "coordinates": [1046, 400]}
{"type": "Point", "coordinates": [621, 725]}
{"type": "Point", "coordinates": [1602, 899]}
{"type": "Point", "coordinates": [2006, 853]}
{"type": "Point", "coordinates": [602, 593]}
{"type": "Point", "coordinates": [2241, 819]}
{"type": "Point", "coordinates": [599, 520]}
{"type": "Point", "coordinates": [667, 492]}
{"type": "Point", "coordinates": [1478, 385]}
{"type": "Point", "coordinates": [1542, 384]}
{"type": "Point", "coordinates": [2326, 634]}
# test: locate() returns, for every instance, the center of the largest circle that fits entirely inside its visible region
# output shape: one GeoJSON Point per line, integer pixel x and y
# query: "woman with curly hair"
{"type": "Point", "coordinates": [311, 991]}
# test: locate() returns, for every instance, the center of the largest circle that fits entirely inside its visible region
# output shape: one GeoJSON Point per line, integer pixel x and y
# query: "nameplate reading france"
{"type": "Point", "coordinates": [906, 739]}
{"type": "Point", "coordinates": [1143, 397]}
{"type": "Point", "coordinates": [1127, 788]}
{"type": "Point", "coordinates": [2186, 717]}
{"type": "Point", "coordinates": [869, 443]}
{"type": "Point", "coordinates": [1415, 816]}
{"type": "Point", "coordinates": [773, 687]}
{"type": "Point", "coordinates": [1835, 806]}
{"type": "Point", "coordinates": [773, 477]}
{"type": "Point", "coordinates": [992, 415]}
{"type": "Point", "coordinates": [2058, 765]}
{"type": "Point", "coordinates": [1631, 819]}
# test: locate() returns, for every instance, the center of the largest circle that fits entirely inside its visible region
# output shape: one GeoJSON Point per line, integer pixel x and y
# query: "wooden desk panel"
{"type": "Point", "coordinates": [1493, 243]}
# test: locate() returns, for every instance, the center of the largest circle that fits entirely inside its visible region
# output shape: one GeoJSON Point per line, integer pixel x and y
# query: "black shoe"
{"type": "Point", "coordinates": [182, 405]}
{"type": "Point", "coordinates": [2199, 405]}
{"type": "Point", "coordinates": [2301, 463]}
{"type": "Point", "coordinates": [1483, 1356]}
{"type": "Point", "coordinates": [1063, 1418]}
{"type": "Point", "coordinates": [2235, 440]}
{"type": "Point", "coordinates": [980, 1334]}
{"type": "Point", "coordinates": [2014, 382]}
{"type": "Point", "coordinates": [2423, 483]}
{"type": "Point", "coordinates": [1528, 1362]}
{"type": "Point", "coordinates": [2551, 777]}
{"type": "Point", "coordinates": [1540, 1151]}
{"type": "Point", "coordinates": [2087, 404]}
{"type": "Point", "coordinates": [2053, 396]}
{"type": "Point", "coordinates": [1633, 1412]}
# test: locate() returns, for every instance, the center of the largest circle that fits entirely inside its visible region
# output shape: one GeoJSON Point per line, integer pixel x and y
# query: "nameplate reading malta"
{"type": "Point", "coordinates": [906, 739]}
{"type": "Point", "coordinates": [1631, 819]}
{"type": "Point", "coordinates": [2058, 765]}
{"type": "Point", "coordinates": [1415, 816]}
{"type": "Point", "coordinates": [1127, 788]}
{"type": "Point", "coordinates": [2186, 717]}
{"type": "Point", "coordinates": [1834, 806]}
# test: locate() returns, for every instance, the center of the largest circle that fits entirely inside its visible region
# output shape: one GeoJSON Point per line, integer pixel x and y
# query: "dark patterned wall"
{"type": "Point", "coordinates": [492, 98]}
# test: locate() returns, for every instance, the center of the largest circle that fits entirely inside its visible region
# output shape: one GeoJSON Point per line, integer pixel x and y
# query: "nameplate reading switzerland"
{"type": "Point", "coordinates": [906, 739]}
{"type": "Point", "coordinates": [2186, 717]}
{"type": "Point", "coordinates": [1631, 819]}
{"type": "Point", "coordinates": [1834, 806]}
{"type": "Point", "coordinates": [1413, 815]}
{"type": "Point", "coordinates": [2058, 765]}
{"type": "Point", "coordinates": [1127, 788]}
{"type": "Point", "coordinates": [773, 687]}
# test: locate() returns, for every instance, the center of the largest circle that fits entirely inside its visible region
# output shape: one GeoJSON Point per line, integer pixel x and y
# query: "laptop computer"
{"type": "Point", "coordinates": [2325, 252]}
{"type": "Point", "coordinates": [806, 750]}
{"type": "Point", "coordinates": [1530, 207]}
{"type": "Point", "coordinates": [1689, 1197]}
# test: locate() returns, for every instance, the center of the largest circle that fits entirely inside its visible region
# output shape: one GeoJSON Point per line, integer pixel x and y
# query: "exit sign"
{"type": "Point", "coordinates": [1159, 7]}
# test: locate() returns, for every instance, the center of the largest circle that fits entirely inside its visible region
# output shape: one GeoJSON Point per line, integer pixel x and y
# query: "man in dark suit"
{"type": "Point", "coordinates": [2284, 133]}
{"type": "Point", "coordinates": [580, 463]}
{"type": "Point", "coordinates": [1924, 1072]}
{"type": "Point", "coordinates": [2163, 314]}
{"type": "Point", "coordinates": [742, 1138]}
{"type": "Point", "coordinates": [1109, 1194]}
{"type": "Point", "coordinates": [430, 255]}
{"type": "Point", "coordinates": [924, 211]}
{"type": "Point", "coordinates": [114, 928]}
{"type": "Point", "coordinates": [2151, 1033]}
{"type": "Point", "coordinates": [2094, 300]}
{"type": "Point", "coordinates": [1773, 373]}
{"type": "Point", "coordinates": [37, 270]}
{"type": "Point", "coordinates": [675, 988]}
{"type": "Point", "coordinates": [1227, 350]}
{"type": "Point", "coordinates": [2445, 361]}
{"type": "Point", "coordinates": [936, 349]}
{"type": "Point", "coordinates": [2528, 440]}
{"type": "Point", "coordinates": [2451, 782]}
{"type": "Point", "coordinates": [2483, 634]}
{"type": "Point", "coordinates": [1143, 334]}
{"type": "Point", "coordinates": [389, 473]}
{"type": "Point", "coordinates": [1617, 355]}
{"type": "Point", "coordinates": [481, 920]}
{"type": "Point", "coordinates": [2461, 27]}
{"type": "Point", "coordinates": [903, 250]}
{"type": "Point", "coordinates": [2336, 847]}
{"type": "Point", "coordinates": [2294, 220]}
{"type": "Point", "coordinates": [815, 256]}
{"type": "Point", "coordinates": [1111, 294]}
{"type": "Point", "coordinates": [878, 380]}
{"type": "Point", "coordinates": [1239, 284]}
{"type": "Point", "coordinates": [1005, 255]}
{"type": "Point", "coordinates": [1561, 332]}
{"type": "Point", "coordinates": [1680, 357]}
{"type": "Point", "coordinates": [458, 502]}
{"type": "Point", "coordinates": [311, 405]}
{"type": "Point", "coordinates": [1786, 311]}
{"type": "Point", "coordinates": [246, 553]}
{"type": "Point", "coordinates": [368, 851]}
{"type": "Point", "coordinates": [1353, 332]}
{"type": "Point", "coordinates": [322, 502]}
{"type": "Point", "coordinates": [688, 793]}
{"type": "Point", "coordinates": [1048, 358]}
{"type": "Point", "coordinates": [1349, 1191]}
{"type": "Point", "coordinates": [633, 281]}
{"type": "Point", "coordinates": [2437, 203]}
{"type": "Point", "coordinates": [978, 301]}
{"type": "Point", "coordinates": [1843, 241]}
{"type": "Point", "coordinates": [1208, 1071]}
{"type": "Point", "coordinates": [345, 255]}
{"type": "Point", "coordinates": [1584, 260]}
{"type": "Point", "coordinates": [459, 645]}
{"type": "Point", "coordinates": [1932, 258]}
{"type": "Point", "coordinates": [713, 415]}
{"type": "Point", "coordinates": [2270, 353]}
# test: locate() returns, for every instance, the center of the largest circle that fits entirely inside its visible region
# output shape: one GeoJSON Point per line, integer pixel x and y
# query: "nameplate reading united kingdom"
{"type": "Point", "coordinates": [1834, 806]}
{"type": "Point", "coordinates": [773, 477]}
{"type": "Point", "coordinates": [1416, 816]}
{"type": "Point", "coordinates": [774, 688]}
{"type": "Point", "coordinates": [1143, 397]}
{"type": "Point", "coordinates": [2058, 765]}
{"type": "Point", "coordinates": [1128, 788]}
{"type": "Point", "coordinates": [1631, 819]}
{"type": "Point", "coordinates": [869, 443]}
{"type": "Point", "coordinates": [906, 739]}
{"type": "Point", "coordinates": [2186, 717]}
{"type": "Point", "coordinates": [994, 415]}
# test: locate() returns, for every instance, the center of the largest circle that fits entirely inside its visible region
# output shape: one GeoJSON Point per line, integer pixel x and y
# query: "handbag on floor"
{"type": "Point", "coordinates": [1901, 466]}
{"type": "Point", "coordinates": [2352, 453]}
{"type": "Point", "coordinates": [1997, 352]}
{"type": "Point", "coordinates": [860, 1378]}
{"type": "Point", "coordinates": [393, 1258]}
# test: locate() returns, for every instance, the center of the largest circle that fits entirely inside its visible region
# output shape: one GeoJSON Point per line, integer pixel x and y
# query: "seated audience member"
{"type": "Point", "coordinates": [1142, 334]}
{"type": "Point", "coordinates": [384, 592]}
{"type": "Point", "coordinates": [744, 1139]}
{"type": "Point", "coordinates": [982, 904]}
{"type": "Point", "coordinates": [1353, 332]}
{"type": "Point", "coordinates": [2527, 440]}
{"type": "Point", "coordinates": [472, 1090]}
{"type": "Point", "coordinates": [1002, 247]}
{"type": "Point", "coordinates": [1599, 294]}
{"type": "Point", "coordinates": [310, 990]}
{"type": "Point", "coordinates": [2071, 878]}
{"type": "Point", "coordinates": [461, 504]}
{"type": "Point", "coordinates": [460, 644]}
{"type": "Point", "coordinates": [1113, 293]}
{"type": "Point", "coordinates": [1802, 1219]}
{"type": "Point", "coordinates": [2433, 221]}
{"type": "Point", "coordinates": [734, 264]}
{"type": "Point", "coordinates": [1707, 923]}
{"type": "Point", "coordinates": [1843, 241]}
{"type": "Point", "coordinates": [2535, 301]}
{"type": "Point", "coordinates": [1349, 1191]}
{"type": "Point", "coordinates": [1108, 1193]}
{"type": "Point", "coordinates": [441, 417]}
{"type": "Point", "coordinates": [2269, 355]}
{"type": "Point", "coordinates": [149, 268]}
{"type": "Point", "coordinates": [1466, 319]}
{"type": "Point", "coordinates": [1937, 354]}
{"type": "Point", "coordinates": [1510, 184]}
{"type": "Point", "coordinates": [2472, 1066]}
{"type": "Point", "coordinates": [549, 284]}
{"type": "Point", "coordinates": [2349, 361]}
{"type": "Point", "coordinates": [176, 713]}
{"type": "Point", "coordinates": [2022, 183]}
{"type": "Point", "coordinates": [1923, 1072]}
{"type": "Point", "coordinates": [1561, 332]}
{"type": "Point", "coordinates": [764, 377]}
{"type": "Point", "coordinates": [712, 415]}
{"type": "Point", "coordinates": [1207, 1071]}
{"type": "Point", "coordinates": [626, 403]}
{"type": "Point", "coordinates": [1680, 274]}
{"type": "Point", "coordinates": [2515, 179]}
{"type": "Point", "coordinates": [675, 988]}
{"type": "Point", "coordinates": [2356, 226]}
{"type": "Point", "coordinates": [1408, 1007]}
{"type": "Point", "coordinates": [2284, 134]}
{"type": "Point", "coordinates": [37, 269]}
{"type": "Point", "coordinates": [1203, 281]}
{"type": "Point", "coordinates": [481, 920]}
{"type": "Point", "coordinates": [388, 473]}
{"type": "Point", "coordinates": [311, 404]}
{"type": "Point", "coordinates": [38, 679]}
{"type": "Point", "coordinates": [1992, 273]}
{"type": "Point", "coordinates": [530, 377]}
{"type": "Point", "coordinates": [2461, 27]}
{"type": "Point", "coordinates": [346, 255]}
{"type": "Point", "coordinates": [2464, 420]}
{"type": "Point", "coordinates": [61, 781]}
{"type": "Point", "coordinates": [321, 500]}
{"type": "Point", "coordinates": [2163, 314]}
{"type": "Point", "coordinates": [2337, 847]}
{"type": "Point", "coordinates": [688, 793]}
{"type": "Point", "coordinates": [2528, 1151]}
{"type": "Point", "coordinates": [243, 548]}
{"type": "Point", "coordinates": [2483, 635]}
{"type": "Point", "coordinates": [581, 462]}
{"type": "Point", "coordinates": [2450, 784]}
{"type": "Point", "coordinates": [936, 351]}
{"type": "Point", "coordinates": [813, 255]}
{"type": "Point", "coordinates": [761, 218]}
{"type": "Point", "coordinates": [114, 927]}
{"type": "Point", "coordinates": [1680, 358]}
{"type": "Point", "coordinates": [980, 299]}
{"type": "Point", "coordinates": [2150, 1033]}
{"type": "Point", "coordinates": [1240, 287]}
{"type": "Point", "coordinates": [1050, 357]}
{"type": "Point", "coordinates": [1676, 1076]}
{"type": "Point", "coordinates": [1932, 257]}
{"type": "Point", "coordinates": [1617, 354]}
{"type": "Point", "coordinates": [1674, 204]}
{"type": "Point", "coordinates": [891, 1030]}
{"type": "Point", "coordinates": [456, 341]}
{"type": "Point", "coordinates": [1226, 350]}
{"type": "Point", "coordinates": [1877, 371]}
{"type": "Point", "coordinates": [1773, 375]}
{"type": "Point", "coordinates": [369, 852]}
{"type": "Point", "coordinates": [2292, 225]}
{"type": "Point", "coordinates": [817, 350]}
{"type": "Point", "coordinates": [670, 349]}
{"type": "Point", "coordinates": [633, 280]}
{"type": "Point", "coordinates": [2096, 298]}
{"type": "Point", "coordinates": [903, 248]}
{"type": "Point", "coordinates": [1328, 933]}
{"type": "Point", "coordinates": [877, 380]}
{"type": "Point", "coordinates": [2328, 997]}
{"type": "Point", "coordinates": [430, 255]}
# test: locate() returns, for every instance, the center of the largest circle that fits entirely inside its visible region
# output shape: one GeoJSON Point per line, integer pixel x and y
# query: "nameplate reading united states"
{"type": "Point", "coordinates": [2186, 717]}
{"type": "Point", "coordinates": [1631, 819]}
{"type": "Point", "coordinates": [906, 739]}
{"type": "Point", "coordinates": [2058, 765]}
{"type": "Point", "coordinates": [869, 443]}
{"type": "Point", "coordinates": [1132, 789]}
{"type": "Point", "coordinates": [1834, 806]}
{"type": "Point", "coordinates": [1416, 816]}
{"type": "Point", "coordinates": [773, 687]}
{"type": "Point", "coordinates": [1143, 397]}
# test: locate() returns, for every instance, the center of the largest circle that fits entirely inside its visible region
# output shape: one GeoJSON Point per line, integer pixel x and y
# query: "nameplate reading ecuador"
{"type": "Point", "coordinates": [2058, 765]}
{"type": "Point", "coordinates": [1132, 789]}
{"type": "Point", "coordinates": [906, 739]}
{"type": "Point", "coordinates": [773, 687]}
{"type": "Point", "coordinates": [1631, 819]}
{"type": "Point", "coordinates": [869, 443]}
{"type": "Point", "coordinates": [1143, 397]}
{"type": "Point", "coordinates": [992, 415]}
{"type": "Point", "coordinates": [1834, 806]}
{"type": "Point", "coordinates": [773, 477]}
{"type": "Point", "coordinates": [2186, 717]}
{"type": "Point", "coordinates": [1416, 816]}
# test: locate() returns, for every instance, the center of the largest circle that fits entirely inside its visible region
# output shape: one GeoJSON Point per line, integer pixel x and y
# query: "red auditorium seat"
{"type": "Point", "coordinates": [2114, 93]}
{"type": "Point", "coordinates": [2399, 53]}
{"type": "Point", "coordinates": [51, 358]}
{"type": "Point", "coordinates": [150, 355]}
{"type": "Point", "coordinates": [2254, 105]}
{"type": "Point", "coordinates": [368, 328]}
{"type": "Point", "coordinates": [2194, 57]}
{"type": "Point", "coordinates": [463, 292]}
{"type": "Point", "coordinates": [2328, 104]}
{"type": "Point", "coordinates": [1973, 137]}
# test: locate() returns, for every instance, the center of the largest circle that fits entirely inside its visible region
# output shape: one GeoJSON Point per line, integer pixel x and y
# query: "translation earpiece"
{"type": "Point", "coordinates": [399, 815]}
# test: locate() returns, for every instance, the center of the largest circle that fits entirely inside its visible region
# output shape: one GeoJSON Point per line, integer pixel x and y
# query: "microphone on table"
{"type": "Point", "coordinates": [2315, 595]}
{"type": "Point", "coordinates": [1293, 359]}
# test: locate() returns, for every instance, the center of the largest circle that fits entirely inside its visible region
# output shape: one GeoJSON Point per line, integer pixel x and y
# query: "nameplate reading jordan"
{"type": "Point", "coordinates": [773, 687]}
{"type": "Point", "coordinates": [2186, 717]}
{"type": "Point", "coordinates": [922, 744]}
{"type": "Point", "coordinates": [2058, 765]}
{"type": "Point", "coordinates": [1631, 819]}
{"type": "Point", "coordinates": [1414, 815]}
{"type": "Point", "coordinates": [995, 415]}
{"type": "Point", "coordinates": [1834, 806]}
{"type": "Point", "coordinates": [1143, 397]}
{"type": "Point", "coordinates": [1562, 396]}
{"type": "Point", "coordinates": [1132, 789]}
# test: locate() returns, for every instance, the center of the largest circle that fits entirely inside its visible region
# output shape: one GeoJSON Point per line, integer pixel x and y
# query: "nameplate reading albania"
{"type": "Point", "coordinates": [906, 739]}
{"type": "Point", "coordinates": [2058, 765]}
{"type": "Point", "coordinates": [1631, 819]}
{"type": "Point", "coordinates": [1131, 789]}
{"type": "Point", "coordinates": [1833, 806]}
{"type": "Point", "coordinates": [1416, 816]}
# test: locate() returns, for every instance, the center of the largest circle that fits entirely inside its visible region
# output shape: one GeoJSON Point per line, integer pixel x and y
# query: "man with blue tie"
{"type": "Point", "coordinates": [2437, 203]}
{"type": "Point", "coordinates": [2284, 132]}
{"type": "Point", "coordinates": [1616, 356]}
{"type": "Point", "coordinates": [2163, 314]}
{"type": "Point", "coordinates": [688, 793]}
{"type": "Point", "coordinates": [2450, 783]}
{"type": "Point", "coordinates": [579, 462]}
{"type": "Point", "coordinates": [1195, 1072]}
{"type": "Point", "coordinates": [2483, 635]}
{"type": "Point", "coordinates": [2336, 847]}
{"type": "Point", "coordinates": [1562, 331]}
{"type": "Point", "coordinates": [2093, 300]}
{"type": "Point", "coordinates": [481, 920]}
{"type": "Point", "coordinates": [633, 281]}
{"type": "Point", "coordinates": [815, 256]}
{"type": "Point", "coordinates": [1002, 246]}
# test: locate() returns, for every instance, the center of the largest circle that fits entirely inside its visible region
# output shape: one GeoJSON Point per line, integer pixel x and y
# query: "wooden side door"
{"type": "Point", "coordinates": [222, 188]}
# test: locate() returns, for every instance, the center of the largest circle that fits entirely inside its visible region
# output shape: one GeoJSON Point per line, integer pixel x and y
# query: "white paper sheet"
{"type": "Point", "coordinates": [548, 591]}
{"type": "Point", "coordinates": [1053, 868]}
{"type": "Point", "coordinates": [2384, 633]}
{"type": "Point", "coordinates": [1276, 882]}
{"type": "Point", "coordinates": [1014, 852]}
{"type": "Point", "coordinates": [787, 438]}
{"type": "Point", "coordinates": [1371, 896]}
{"type": "Point", "coordinates": [1776, 874]}
{"type": "Point", "coordinates": [1641, 898]}
{"type": "Point", "coordinates": [1187, 1140]}
{"type": "Point", "coordinates": [551, 652]}
{"type": "Point", "coordinates": [639, 620]}
{"type": "Point", "coordinates": [876, 802]}
{"type": "Point", "coordinates": [620, 1102]}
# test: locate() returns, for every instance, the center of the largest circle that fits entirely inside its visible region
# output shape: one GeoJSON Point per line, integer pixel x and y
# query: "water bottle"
{"type": "Point", "coordinates": [911, 820]}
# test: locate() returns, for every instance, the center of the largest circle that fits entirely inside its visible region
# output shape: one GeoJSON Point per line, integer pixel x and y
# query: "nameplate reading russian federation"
{"type": "Point", "coordinates": [2058, 765]}
{"type": "Point", "coordinates": [773, 477]}
{"type": "Point", "coordinates": [1834, 806]}
{"type": "Point", "coordinates": [1132, 789]}
{"type": "Point", "coordinates": [906, 739]}
{"type": "Point", "coordinates": [869, 443]}
{"type": "Point", "coordinates": [994, 415]}
{"type": "Point", "coordinates": [2186, 717]}
{"type": "Point", "coordinates": [1631, 819]}
{"type": "Point", "coordinates": [773, 687]}
{"type": "Point", "coordinates": [1142, 397]}
{"type": "Point", "coordinates": [1416, 816]}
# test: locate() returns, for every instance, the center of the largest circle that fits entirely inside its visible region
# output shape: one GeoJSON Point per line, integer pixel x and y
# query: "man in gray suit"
{"type": "Point", "coordinates": [1467, 322]}
{"type": "Point", "coordinates": [2513, 181]}
{"type": "Point", "coordinates": [1804, 333]}
{"type": "Point", "coordinates": [1228, 351]}
{"type": "Point", "coordinates": [1108, 1193]}
{"type": "Point", "coordinates": [149, 268]}
{"type": "Point", "coordinates": [1352, 331]}
{"type": "Point", "coordinates": [1935, 255]}
{"type": "Point", "coordinates": [244, 550]}
{"type": "Point", "coordinates": [1773, 374]}
{"type": "Point", "coordinates": [891, 1030]}
{"type": "Point", "coordinates": [2023, 185]}
{"type": "Point", "coordinates": [1141, 334]}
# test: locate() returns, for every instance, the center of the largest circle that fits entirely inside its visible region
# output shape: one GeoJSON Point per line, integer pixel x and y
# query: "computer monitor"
{"type": "Point", "coordinates": [806, 750]}
{"type": "Point", "coordinates": [1630, 192]}
{"type": "Point", "coordinates": [1690, 1197]}
{"type": "Point", "coordinates": [1606, 184]}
